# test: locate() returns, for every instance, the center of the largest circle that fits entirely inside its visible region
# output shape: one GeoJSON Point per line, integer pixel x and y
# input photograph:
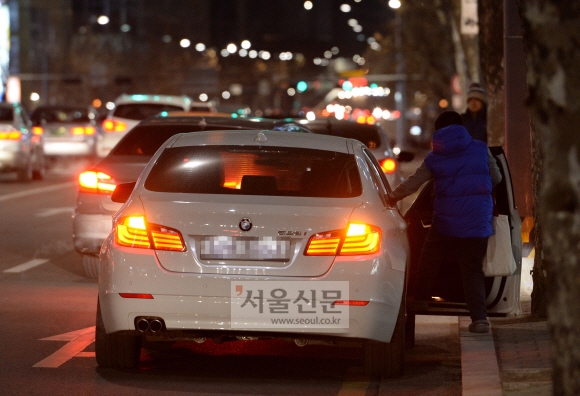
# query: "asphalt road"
{"type": "Point", "coordinates": [47, 314]}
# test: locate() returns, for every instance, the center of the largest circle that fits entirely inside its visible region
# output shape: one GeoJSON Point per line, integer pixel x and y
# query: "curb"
{"type": "Point", "coordinates": [480, 374]}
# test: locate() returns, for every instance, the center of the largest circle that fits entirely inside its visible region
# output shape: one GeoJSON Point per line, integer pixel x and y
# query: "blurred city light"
{"type": "Point", "coordinates": [103, 20]}
{"type": "Point", "coordinates": [243, 52]}
{"type": "Point", "coordinates": [334, 50]}
{"type": "Point", "coordinates": [317, 61]}
{"type": "Point", "coordinates": [308, 5]}
{"type": "Point", "coordinates": [110, 105]}
{"type": "Point", "coordinates": [232, 48]}
{"type": "Point", "coordinates": [185, 43]}
{"type": "Point", "coordinates": [327, 54]}
{"type": "Point", "coordinates": [291, 92]}
{"type": "Point", "coordinates": [347, 85]}
{"type": "Point", "coordinates": [310, 116]}
{"type": "Point", "coordinates": [125, 28]}
{"type": "Point", "coordinates": [34, 96]}
{"type": "Point", "coordinates": [265, 55]}
{"type": "Point", "coordinates": [345, 8]}
{"type": "Point", "coordinates": [357, 28]}
{"type": "Point", "coordinates": [352, 22]}
{"type": "Point", "coordinates": [97, 103]}
{"type": "Point", "coordinates": [394, 4]}
{"type": "Point", "coordinates": [226, 95]}
{"type": "Point", "coordinates": [166, 38]}
{"type": "Point", "coordinates": [225, 53]}
{"type": "Point", "coordinates": [200, 47]}
{"type": "Point", "coordinates": [246, 44]}
{"type": "Point", "coordinates": [415, 130]}
{"type": "Point", "coordinates": [301, 86]}
{"type": "Point", "coordinates": [203, 97]}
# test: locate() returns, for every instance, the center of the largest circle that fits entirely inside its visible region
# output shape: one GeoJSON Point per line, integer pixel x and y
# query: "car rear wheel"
{"type": "Point", "coordinates": [25, 174]}
{"type": "Point", "coordinates": [91, 266]}
{"type": "Point", "coordinates": [387, 359]}
{"type": "Point", "coordinates": [119, 350]}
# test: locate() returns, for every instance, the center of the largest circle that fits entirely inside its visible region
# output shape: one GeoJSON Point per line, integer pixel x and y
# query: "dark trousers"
{"type": "Point", "coordinates": [470, 252]}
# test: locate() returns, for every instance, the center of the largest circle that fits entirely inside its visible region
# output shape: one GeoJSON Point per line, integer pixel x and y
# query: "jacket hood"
{"type": "Point", "coordinates": [451, 139]}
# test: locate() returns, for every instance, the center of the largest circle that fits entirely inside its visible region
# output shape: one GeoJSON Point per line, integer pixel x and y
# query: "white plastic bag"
{"type": "Point", "coordinates": [499, 259]}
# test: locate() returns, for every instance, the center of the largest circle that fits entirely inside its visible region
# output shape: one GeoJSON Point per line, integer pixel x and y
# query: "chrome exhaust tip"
{"type": "Point", "coordinates": [301, 342]}
{"type": "Point", "coordinates": [199, 340]}
{"type": "Point", "coordinates": [142, 325]}
{"type": "Point", "coordinates": [155, 325]}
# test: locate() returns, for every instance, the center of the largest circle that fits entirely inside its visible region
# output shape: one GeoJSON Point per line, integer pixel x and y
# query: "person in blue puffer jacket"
{"type": "Point", "coordinates": [464, 173]}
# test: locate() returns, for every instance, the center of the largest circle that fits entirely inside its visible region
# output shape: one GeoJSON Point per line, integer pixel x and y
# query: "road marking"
{"type": "Point", "coordinates": [54, 211]}
{"type": "Point", "coordinates": [26, 266]}
{"type": "Point", "coordinates": [34, 191]}
{"type": "Point", "coordinates": [356, 384]}
{"type": "Point", "coordinates": [77, 341]}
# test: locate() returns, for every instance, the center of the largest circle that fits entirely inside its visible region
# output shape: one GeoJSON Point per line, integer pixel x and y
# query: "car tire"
{"type": "Point", "coordinates": [384, 359]}
{"type": "Point", "coordinates": [25, 174]}
{"type": "Point", "coordinates": [118, 350]}
{"type": "Point", "coordinates": [40, 171]}
{"type": "Point", "coordinates": [91, 266]}
{"type": "Point", "coordinates": [410, 331]}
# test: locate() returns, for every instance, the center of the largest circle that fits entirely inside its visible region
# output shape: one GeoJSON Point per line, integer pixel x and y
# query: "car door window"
{"type": "Point", "coordinates": [380, 186]}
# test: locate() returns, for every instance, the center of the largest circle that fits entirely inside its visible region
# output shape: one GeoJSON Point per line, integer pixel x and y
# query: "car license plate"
{"type": "Point", "coordinates": [245, 248]}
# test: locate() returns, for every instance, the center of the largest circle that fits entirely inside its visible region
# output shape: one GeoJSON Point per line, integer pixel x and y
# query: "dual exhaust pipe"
{"type": "Point", "coordinates": [153, 325]}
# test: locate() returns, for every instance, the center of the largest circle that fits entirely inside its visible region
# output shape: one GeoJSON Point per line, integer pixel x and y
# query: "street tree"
{"type": "Point", "coordinates": [552, 42]}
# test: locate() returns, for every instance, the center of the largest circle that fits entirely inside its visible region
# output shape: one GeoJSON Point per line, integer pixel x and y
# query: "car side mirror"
{"type": "Point", "coordinates": [123, 192]}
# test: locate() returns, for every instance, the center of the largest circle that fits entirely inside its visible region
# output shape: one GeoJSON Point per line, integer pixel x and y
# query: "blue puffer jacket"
{"type": "Point", "coordinates": [463, 204]}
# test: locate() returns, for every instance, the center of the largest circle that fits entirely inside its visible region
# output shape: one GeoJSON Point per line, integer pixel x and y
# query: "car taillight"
{"type": "Point", "coordinates": [356, 239]}
{"type": "Point", "coordinates": [10, 135]}
{"type": "Point", "coordinates": [114, 126]}
{"type": "Point", "coordinates": [82, 131]}
{"type": "Point", "coordinates": [96, 182]}
{"type": "Point", "coordinates": [37, 130]}
{"type": "Point", "coordinates": [388, 165]}
{"type": "Point", "coordinates": [134, 231]}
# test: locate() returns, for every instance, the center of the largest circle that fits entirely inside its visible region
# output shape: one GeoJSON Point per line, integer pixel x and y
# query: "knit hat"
{"type": "Point", "coordinates": [476, 91]}
{"type": "Point", "coordinates": [448, 118]}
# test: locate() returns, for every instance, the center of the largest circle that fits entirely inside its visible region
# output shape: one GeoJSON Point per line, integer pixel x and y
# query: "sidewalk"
{"type": "Point", "coordinates": [513, 360]}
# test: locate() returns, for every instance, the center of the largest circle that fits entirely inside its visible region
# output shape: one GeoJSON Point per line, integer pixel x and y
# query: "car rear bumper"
{"type": "Point", "coordinates": [89, 231]}
{"type": "Point", "coordinates": [201, 303]}
{"type": "Point", "coordinates": [68, 148]}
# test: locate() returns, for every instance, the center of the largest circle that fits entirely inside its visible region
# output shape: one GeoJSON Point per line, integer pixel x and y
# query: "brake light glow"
{"type": "Point", "coordinates": [114, 126]}
{"type": "Point", "coordinates": [96, 182]}
{"type": "Point", "coordinates": [10, 135]}
{"type": "Point", "coordinates": [355, 240]}
{"type": "Point", "coordinates": [137, 295]}
{"type": "Point", "coordinates": [37, 130]}
{"type": "Point", "coordinates": [356, 303]}
{"type": "Point", "coordinates": [388, 165]}
{"type": "Point", "coordinates": [82, 131]}
{"type": "Point", "coordinates": [134, 231]}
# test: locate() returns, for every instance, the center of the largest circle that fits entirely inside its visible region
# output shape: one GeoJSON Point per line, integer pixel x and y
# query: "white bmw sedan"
{"type": "Point", "coordinates": [237, 235]}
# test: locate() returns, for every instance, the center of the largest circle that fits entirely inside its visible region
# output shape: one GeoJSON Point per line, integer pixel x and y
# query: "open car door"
{"type": "Point", "coordinates": [502, 292]}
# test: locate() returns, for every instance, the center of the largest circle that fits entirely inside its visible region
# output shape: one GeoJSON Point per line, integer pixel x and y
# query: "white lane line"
{"type": "Point", "coordinates": [26, 266]}
{"type": "Point", "coordinates": [356, 384]}
{"type": "Point", "coordinates": [71, 335]}
{"type": "Point", "coordinates": [34, 191]}
{"type": "Point", "coordinates": [68, 351]}
{"type": "Point", "coordinates": [55, 211]}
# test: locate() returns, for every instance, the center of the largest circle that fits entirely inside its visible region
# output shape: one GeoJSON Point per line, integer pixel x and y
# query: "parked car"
{"type": "Point", "coordinates": [372, 135]}
{"type": "Point", "coordinates": [21, 148]}
{"type": "Point", "coordinates": [94, 208]}
{"type": "Point", "coordinates": [235, 235]}
{"type": "Point", "coordinates": [129, 110]}
{"type": "Point", "coordinates": [502, 292]}
{"type": "Point", "coordinates": [69, 131]}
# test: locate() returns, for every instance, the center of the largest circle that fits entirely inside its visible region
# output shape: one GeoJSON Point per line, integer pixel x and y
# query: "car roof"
{"type": "Point", "coordinates": [183, 101]}
{"type": "Point", "coordinates": [225, 121]}
{"type": "Point", "coordinates": [264, 138]}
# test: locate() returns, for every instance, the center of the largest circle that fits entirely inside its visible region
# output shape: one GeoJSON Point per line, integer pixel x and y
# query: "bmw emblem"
{"type": "Point", "coordinates": [245, 224]}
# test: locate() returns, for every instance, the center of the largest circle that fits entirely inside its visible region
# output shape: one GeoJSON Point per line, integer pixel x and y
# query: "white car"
{"type": "Point", "coordinates": [129, 110]}
{"type": "Point", "coordinates": [250, 235]}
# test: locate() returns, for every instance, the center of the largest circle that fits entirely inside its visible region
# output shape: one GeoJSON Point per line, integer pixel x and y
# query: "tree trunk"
{"type": "Point", "coordinates": [552, 40]}
{"type": "Point", "coordinates": [491, 54]}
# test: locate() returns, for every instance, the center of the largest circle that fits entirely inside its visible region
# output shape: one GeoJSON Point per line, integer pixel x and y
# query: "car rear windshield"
{"type": "Point", "coordinates": [275, 171]}
{"type": "Point", "coordinates": [140, 111]}
{"type": "Point", "coordinates": [144, 140]}
{"type": "Point", "coordinates": [367, 134]}
{"type": "Point", "coordinates": [60, 115]}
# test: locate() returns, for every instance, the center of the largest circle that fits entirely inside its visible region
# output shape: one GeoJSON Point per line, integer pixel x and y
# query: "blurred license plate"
{"type": "Point", "coordinates": [245, 248]}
